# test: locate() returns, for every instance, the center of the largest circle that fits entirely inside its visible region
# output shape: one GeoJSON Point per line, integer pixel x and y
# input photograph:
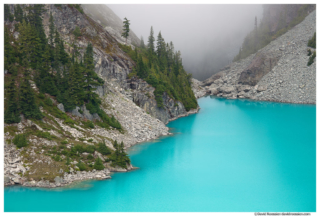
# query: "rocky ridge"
{"type": "Point", "coordinates": [277, 72]}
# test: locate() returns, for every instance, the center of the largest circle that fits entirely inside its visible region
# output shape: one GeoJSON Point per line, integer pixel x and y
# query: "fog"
{"type": "Point", "coordinates": [208, 36]}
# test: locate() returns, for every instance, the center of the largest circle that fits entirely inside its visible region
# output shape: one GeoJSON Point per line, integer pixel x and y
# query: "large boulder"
{"type": "Point", "coordinates": [6, 180]}
{"type": "Point", "coordinates": [58, 180]}
{"type": "Point", "coordinates": [61, 107]}
{"type": "Point", "coordinates": [260, 66]}
{"type": "Point", "coordinates": [226, 89]}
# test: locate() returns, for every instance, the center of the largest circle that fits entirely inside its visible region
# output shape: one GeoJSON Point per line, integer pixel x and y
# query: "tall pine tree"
{"type": "Point", "coordinates": [11, 114]}
{"type": "Point", "coordinates": [28, 104]}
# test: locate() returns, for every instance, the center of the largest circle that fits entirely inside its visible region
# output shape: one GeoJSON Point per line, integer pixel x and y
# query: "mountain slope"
{"type": "Point", "coordinates": [277, 72]}
{"type": "Point", "coordinates": [65, 145]}
{"type": "Point", "coordinates": [110, 21]}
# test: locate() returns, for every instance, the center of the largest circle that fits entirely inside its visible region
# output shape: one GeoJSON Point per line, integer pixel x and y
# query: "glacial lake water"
{"type": "Point", "coordinates": [233, 156]}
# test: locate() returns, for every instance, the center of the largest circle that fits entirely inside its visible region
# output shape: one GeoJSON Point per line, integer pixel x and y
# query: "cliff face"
{"type": "Point", "coordinates": [142, 95]}
{"type": "Point", "coordinates": [111, 63]}
{"type": "Point", "coordinates": [277, 72]}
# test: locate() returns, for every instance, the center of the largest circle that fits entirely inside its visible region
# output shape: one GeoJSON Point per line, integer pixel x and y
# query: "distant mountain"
{"type": "Point", "coordinates": [110, 21]}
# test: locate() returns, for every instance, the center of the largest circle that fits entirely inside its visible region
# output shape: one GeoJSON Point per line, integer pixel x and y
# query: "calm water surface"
{"type": "Point", "coordinates": [234, 156]}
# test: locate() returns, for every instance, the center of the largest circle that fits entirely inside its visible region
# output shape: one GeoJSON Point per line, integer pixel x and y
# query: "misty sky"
{"type": "Point", "coordinates": [208, 36]}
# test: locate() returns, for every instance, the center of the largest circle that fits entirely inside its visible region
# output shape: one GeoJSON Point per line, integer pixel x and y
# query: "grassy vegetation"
{"type": "Point", "coordinates": [311, 58]}
{"type": "Point", "coordinates": [312, 41]}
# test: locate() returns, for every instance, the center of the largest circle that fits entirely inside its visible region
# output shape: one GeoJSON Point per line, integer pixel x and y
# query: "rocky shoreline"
{"type": "Point", "coordinates": [15, 168]}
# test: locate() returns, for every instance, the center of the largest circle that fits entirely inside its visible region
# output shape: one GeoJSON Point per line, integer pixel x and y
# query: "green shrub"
{"type": "Point", "coordinates": [68, 160]}
{"type": "Point", "coordinates": [90, 157]}
{"type": "Point", "coordinates": [20, 140]}
{"type": "Point", "coordinates": [103, 149]}
{"type": "Point", "coordinates": [64, 142]}
{"type": "Point", "coordinates": [69, 121]}
{"type": "Point", "coordinates": [79, 148]}
{"type": "Point", "coordinates": [88, 124]}
{"type": "Point", "coordinates": [132, 74]}
{"type": "Point", "coordinates": [90, 149]}
{"type": "Point", "coordinates": [312, 41]}
{"type": "Point", "coordinates": [98, 165]}
{"type": "Point", "coordinates": [45, 135]}
{"type": "Point", "coordinates": [81, 166]}
{"type": "Point", "coordinates": [77, 32]}
{"type": "Point", "coordinates": [311, 58]}
{"type": "Point", "coordinates": [90, 140]}
{"type": "Point", "coordinates": [64, 152]}
{"type": "Point", "coordinates": [41, 104]}
{"type": "Point", "coordinates": [41, 96]}
{"type": "Point", "coordinates": [57, 158]}
{"type": "Point", "coordinates": [48, 101]}
{"type": "Point", "coordinates": [309, 52]}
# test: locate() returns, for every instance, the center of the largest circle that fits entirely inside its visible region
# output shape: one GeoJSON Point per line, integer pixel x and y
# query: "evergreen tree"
{"type": "Point", "coordinates": [77, 32]}
{"type": "Point", "coordinates": [11, 114]}
{"type": "Point", "coordinates": [34, 17]}
{"type": "Point", "coordinates": [125, 29]}
{"type": "Point", "coordinates": [51, 30]}
{"type": "Point", "coordinates": [91, 78]}
{"type": "Point", "coordinates": [160, 45]}
{"type": "Point", "coordinates": [27, 101]}
{"type": "Point", "coordinates": [141, 68]}
{"type": "Point", "coordinates": [9, 52]}
{"type": "Point", "coordinates": [151, 43]}
{"type": "Point", "coordinates": [142, 45]}
{"type": "Point", "coordinates": [98, 165]}
{"type": "Point", "coordinates": [29, 44]}
{"type": "Point", "coordinates": [18, 13]}
{"type": "Point", "coordinates": [7, 13]}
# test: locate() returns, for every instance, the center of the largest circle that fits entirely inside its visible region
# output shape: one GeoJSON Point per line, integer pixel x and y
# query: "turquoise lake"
{"type": "Point", "coordinates": [233, 156]}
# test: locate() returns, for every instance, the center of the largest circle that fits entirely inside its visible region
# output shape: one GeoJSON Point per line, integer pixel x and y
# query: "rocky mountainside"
{"type": "Point", "coordinates": [110, 21]}
{"type": "Point", "coordinates": [281, 15]}
{"type": "Point", "coordinates": [42, 163]}
{"type": "Point", "coordinates": [277, 72]}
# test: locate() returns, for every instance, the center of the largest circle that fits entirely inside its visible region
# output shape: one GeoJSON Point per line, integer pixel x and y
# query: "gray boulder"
{"type": "Point", "coordinates": [61, 107]}
{"type": "Point", "coordinates": [76, 112]}
{"type": "Point", "coordinates": [227, 89]}
{"type": "Point", "coordinates": [6, 180]}
{"type": "Point", "coordinates": [58, 180]}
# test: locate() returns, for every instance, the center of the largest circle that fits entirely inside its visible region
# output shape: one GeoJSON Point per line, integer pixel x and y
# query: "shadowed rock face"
{"type": "Point", "coordinates": [213, 78]}
{"type": "Point", "coordinates": [142, 96]}
{"type": "Point", "coordinates": [260, 66]}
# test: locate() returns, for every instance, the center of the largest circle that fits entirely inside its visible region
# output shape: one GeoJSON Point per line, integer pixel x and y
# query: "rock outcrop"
{"type": "Point", "coordinates": [277, 72]}
{"type": "Point", "coordinates": [142, 95]}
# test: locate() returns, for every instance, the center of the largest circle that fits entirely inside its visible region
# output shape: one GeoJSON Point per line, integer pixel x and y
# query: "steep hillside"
{"type": "Point", "coordinates": [65, 129]}
{"type": "Point", "coordinates": [110, 21]}
{"type": "Point", "coordinates": [277, 20]}
{"type": "Point", "coordinates": [277, 72]}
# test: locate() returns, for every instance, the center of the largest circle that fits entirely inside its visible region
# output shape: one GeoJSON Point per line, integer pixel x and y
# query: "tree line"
{"type": "Point", "coordinates": [161, 66]}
